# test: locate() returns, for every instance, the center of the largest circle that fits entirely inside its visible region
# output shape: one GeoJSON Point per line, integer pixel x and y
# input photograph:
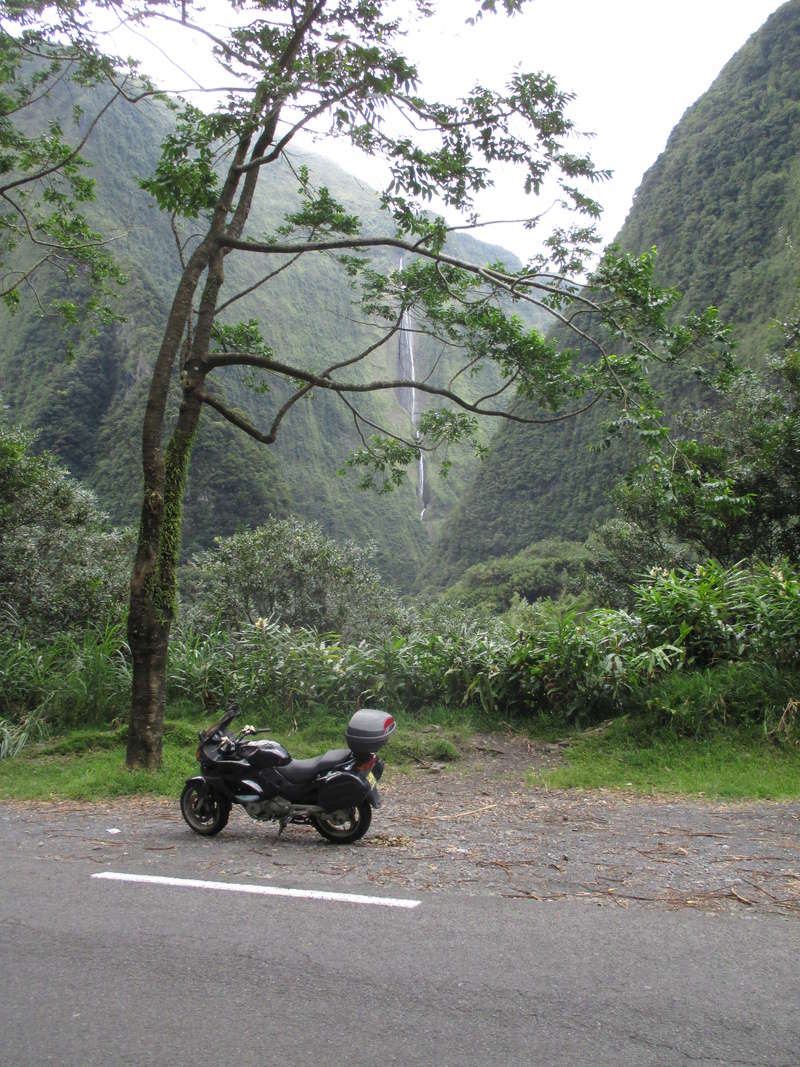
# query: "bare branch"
{"type": "Point", "coordinates": [358, 417]}
{"type": "Point", "coordinates": [178, 243]}
{"type": "Point", "coordinates": [237, 419]}
{"type": "Point", "coordinates": [223, 45]}
{"type": "Point", "coordinates": [463, 370]}
{"type": "Point", "coordinates": [279, 147]}
{"type": "Point", "coordinates": [287, 407]}
{"type": "Point", "coordinates": [196, 88]}
{"type": "Point", "coordinates": [503, 388]}
{"type": "Point", "coordinates": [508, 282]}
{"type": "Point", "coordinates": [366, 352]}
{"type": "Point", "coordinates": [44, 93]}
{"type": "Point", "coordinates": [22, 276]}
{"type": "Point", "coordinates": [256, 285]}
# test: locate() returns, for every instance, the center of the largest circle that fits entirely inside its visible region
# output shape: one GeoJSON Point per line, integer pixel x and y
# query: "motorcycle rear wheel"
{"type": "Point", "coordinates": [204, 811]}
{"type": "Point", "coordinates": [342, 827]}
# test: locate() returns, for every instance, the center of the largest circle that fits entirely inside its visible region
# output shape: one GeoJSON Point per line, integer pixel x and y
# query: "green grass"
{"type": "Point", "coordinates": [91, 774]}
{"type": "Point", "coordinates": [89, 764]}
{"type": "Point", "coordinates": [730, 765]}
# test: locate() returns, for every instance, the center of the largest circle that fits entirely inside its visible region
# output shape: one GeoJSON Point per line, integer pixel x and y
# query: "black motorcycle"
{"type": "Point", "coordinates": [335, 792]}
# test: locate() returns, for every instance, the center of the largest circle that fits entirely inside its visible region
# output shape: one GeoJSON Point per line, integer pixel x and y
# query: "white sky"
{"type": "Point", "coordinates": [634, 65]}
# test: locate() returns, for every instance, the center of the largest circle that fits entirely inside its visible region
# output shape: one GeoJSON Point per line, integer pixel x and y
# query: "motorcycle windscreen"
{"type": "Point", "coordinates": [342, 790]}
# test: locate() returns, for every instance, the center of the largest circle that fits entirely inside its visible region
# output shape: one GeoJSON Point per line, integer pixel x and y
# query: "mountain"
{"type": "Point", "coordinates": [722, 206]}
{"type": "Point", "coordinates": [89, 411]}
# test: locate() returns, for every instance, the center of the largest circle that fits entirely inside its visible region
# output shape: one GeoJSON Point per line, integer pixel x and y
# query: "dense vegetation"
{"type": "Point", "coordinates": [61, 562]}
{"type": "Point", "coordinates": [708, 651]}
{"type": "Point", "coordinates": [699, 651]}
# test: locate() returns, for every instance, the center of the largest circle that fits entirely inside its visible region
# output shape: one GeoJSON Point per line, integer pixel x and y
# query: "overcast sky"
{"type": "Point", "coordinates": [634, 66]}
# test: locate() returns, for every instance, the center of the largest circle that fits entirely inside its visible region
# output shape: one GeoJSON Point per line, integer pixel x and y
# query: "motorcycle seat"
{"type": "Point", "coordinates": [303, 770]}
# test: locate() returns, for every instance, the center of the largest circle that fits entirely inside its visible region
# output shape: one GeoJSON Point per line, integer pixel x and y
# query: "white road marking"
{"type": "Point", "coordinates": [262, 890]}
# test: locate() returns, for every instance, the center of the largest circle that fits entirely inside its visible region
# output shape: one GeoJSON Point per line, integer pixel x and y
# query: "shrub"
{"type": "Point", "coordinates": [64, 681]}
{"type": "Point", "coordinates": [665, 663]}
{"type": "Point", "coordinates": [719, 613]}
{"type": "Point", "coordinates": [61, 564]}
{"type": "Point", "coordinates": [700, 703]}
{"type": "Point", "coordinates": [288, 571]}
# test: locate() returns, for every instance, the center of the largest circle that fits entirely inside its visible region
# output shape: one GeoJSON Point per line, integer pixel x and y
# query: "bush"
{"type": "Point", "coordinates": [717, 613]}
{"type": "Point", "coordinates": [64, 681]}
{"type": "Point", "coordinates": [544, 570]}
{"type": "Point", "coordinates": [706, 646]}
{"type": "Point", "coordinates": [61, 564]}
{"type": "Point", "coordinates": [288, 571]}
{"type": "Point", "coordinates": [700, 703]}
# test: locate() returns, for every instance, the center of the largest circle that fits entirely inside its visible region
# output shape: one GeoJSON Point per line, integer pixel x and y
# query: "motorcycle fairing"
{"type": "Point", "coordinates": [262, 754]}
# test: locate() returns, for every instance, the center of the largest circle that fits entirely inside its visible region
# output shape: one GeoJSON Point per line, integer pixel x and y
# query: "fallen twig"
{"type": "Point", "coordinates": [690, 833]}
{"type": "Point", "coordinates": [461, 814]}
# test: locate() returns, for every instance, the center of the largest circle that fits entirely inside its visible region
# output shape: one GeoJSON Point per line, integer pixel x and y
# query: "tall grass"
{"type": "Point", "coordinates": [66, 681]}
{"type": "Point", "coordinates": [14, 736]}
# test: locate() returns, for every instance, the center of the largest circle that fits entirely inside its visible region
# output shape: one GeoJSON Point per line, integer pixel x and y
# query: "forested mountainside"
{"type": "Point", "coordinates": [89, 410]}
{"type": "Point", "coordinates": [722, 206]}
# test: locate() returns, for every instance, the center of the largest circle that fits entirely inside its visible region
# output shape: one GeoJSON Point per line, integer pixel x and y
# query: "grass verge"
{"type": "Point", "coordinates": [89, 764]}
{"type": "Point", "coordinates": [735, 765]}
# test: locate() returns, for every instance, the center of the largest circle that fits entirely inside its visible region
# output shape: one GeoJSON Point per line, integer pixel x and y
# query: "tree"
{"type": "Point", "coordinates": [724, 485]}
{"type": "Point", "coordinates": [62, 565]}
{"type": "Point", "coordinates": [43, 182]}
{"type": "Point", "coordinates": [334, 65]}
{"type": "Point", "coordinates": [289, 571]}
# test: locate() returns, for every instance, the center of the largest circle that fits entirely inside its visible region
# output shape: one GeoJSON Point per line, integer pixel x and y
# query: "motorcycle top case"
{"type": "Point", "coordinates": [369, 730]}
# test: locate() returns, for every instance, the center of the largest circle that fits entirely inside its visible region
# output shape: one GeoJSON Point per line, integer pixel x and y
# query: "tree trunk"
{"type": "Point", "coordinates": [154, 586]}
{"type": "Point", "coordinates": [148, 643]}
{"type": "Point", "coordinates": [153, 582]}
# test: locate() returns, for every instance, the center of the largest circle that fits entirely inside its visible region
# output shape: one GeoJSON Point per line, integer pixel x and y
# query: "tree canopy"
{"type": "Point", "coordinates": [726, 486]}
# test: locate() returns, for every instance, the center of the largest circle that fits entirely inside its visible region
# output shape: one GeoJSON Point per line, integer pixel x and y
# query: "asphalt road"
{"type": "Point", "coordinates": [97, 972]}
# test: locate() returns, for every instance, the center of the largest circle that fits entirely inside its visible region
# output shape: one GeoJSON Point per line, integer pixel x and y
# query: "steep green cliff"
{"type": "Point", "coordinates": [722, 205]}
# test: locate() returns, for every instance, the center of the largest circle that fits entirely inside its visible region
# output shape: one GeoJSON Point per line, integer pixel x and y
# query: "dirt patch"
{"type": "Point", "coordinates": [473, 827]}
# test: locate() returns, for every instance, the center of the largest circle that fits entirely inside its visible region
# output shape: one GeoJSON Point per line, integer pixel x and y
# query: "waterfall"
{"type": "Point", "coordinates": [407, 370]}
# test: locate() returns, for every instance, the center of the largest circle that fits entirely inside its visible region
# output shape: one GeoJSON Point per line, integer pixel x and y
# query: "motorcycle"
{"type": "Point", "coordinates": [334, 792]}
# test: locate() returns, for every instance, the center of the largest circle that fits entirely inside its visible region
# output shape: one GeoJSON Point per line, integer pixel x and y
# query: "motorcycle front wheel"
{"type": "Point", "coordinates": [345, 825]}
{"type": "Point", "coordinates": [204, 811]}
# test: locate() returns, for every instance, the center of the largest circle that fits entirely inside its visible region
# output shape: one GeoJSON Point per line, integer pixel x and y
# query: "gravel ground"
{"type": "Point", "coordinates": [474, 827]}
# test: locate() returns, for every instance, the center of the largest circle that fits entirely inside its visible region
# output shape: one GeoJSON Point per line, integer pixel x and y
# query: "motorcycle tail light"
{"type": "Point", "coordinates": [389, 722]}
{"type": "Point", "coordinates": [367, 764]}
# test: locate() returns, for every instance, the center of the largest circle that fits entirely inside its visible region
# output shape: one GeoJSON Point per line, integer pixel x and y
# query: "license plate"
{"type": "Point", "coordinates": [372, 781]}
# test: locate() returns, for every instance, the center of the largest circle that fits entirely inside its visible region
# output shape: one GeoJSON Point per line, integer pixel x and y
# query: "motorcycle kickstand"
{"type": "Point", "coordinates": [283, 822]}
